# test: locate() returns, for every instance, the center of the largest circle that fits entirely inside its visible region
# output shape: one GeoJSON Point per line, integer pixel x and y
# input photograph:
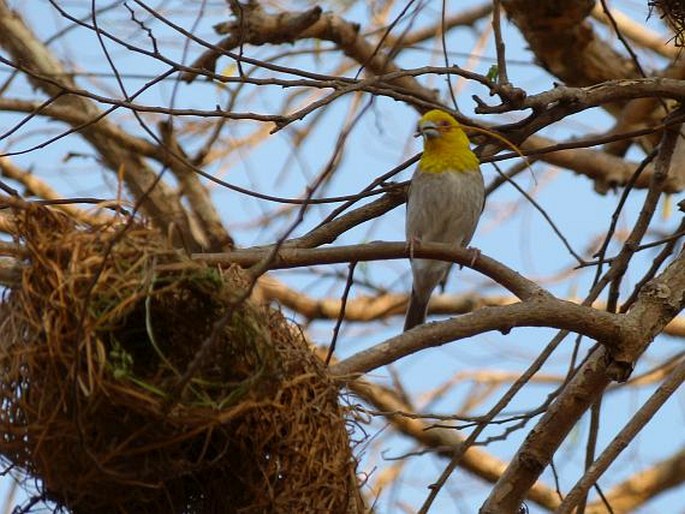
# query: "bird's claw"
{"type": "Point", "coordinates": [413, 243]}
{"type": "Point", "coordinates": [475, 253]}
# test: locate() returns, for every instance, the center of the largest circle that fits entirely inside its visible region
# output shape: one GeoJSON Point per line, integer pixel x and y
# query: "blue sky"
{"type": "Point", "coordinates": [511, 230]}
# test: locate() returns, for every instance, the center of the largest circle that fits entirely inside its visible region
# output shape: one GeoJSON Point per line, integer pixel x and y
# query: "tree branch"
{"type": "Point", "coordinates": [658, 303]}
{"type": "Point", "coordinates": [625, 497]}
{"type": "Point", "coordinates": [623, 439]}
{"type": "Point", "coordinates": [286, 258]}
{"type": "Point", "coordinates": [475, 460]}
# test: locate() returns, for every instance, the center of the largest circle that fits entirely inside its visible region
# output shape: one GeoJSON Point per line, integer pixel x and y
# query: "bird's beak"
{"type": "Point", "coordinates": [427, 129]}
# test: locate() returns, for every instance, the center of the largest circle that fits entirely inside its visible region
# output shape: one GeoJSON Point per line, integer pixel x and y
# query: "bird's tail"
{"type": "Point", "coordinates": [416, 312]}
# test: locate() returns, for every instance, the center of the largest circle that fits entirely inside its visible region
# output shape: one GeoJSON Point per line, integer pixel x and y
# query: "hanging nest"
{"type": "Point", "coordinates": [95, 342]}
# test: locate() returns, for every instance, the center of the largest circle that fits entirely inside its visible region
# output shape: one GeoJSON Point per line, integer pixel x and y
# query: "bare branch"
{"type": "Point", "coordinates": [256, 27]}
{"type": "Point", "coordinates": [285, 258]}
{"type": "Point", "coordinates": [624, 437]}
{"type": "Point", "coordinates": [659, 302]}
{"type": "Point", "coordinates": [443, 440]}
{"type": "Point", "coordinates": [638, 489]}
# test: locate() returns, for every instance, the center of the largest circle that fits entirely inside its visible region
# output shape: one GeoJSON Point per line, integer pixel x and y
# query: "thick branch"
{"type": "Point", "coordinates": [543, 312]}
{"type": "Point", "coordinates": [597, 94]}
{"type": "Point", "coordinates": [286, 258]}
{"type": "Point", "coordinates": [657, 305]}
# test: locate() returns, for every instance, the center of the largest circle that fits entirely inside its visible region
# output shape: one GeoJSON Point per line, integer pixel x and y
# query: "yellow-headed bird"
{"type": "Point", "coordinates": [445, 201]}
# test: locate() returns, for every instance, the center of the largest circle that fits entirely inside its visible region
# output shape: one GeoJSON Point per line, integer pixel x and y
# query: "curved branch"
{"type": "Point", "coordinates": [366, 308]}
{"type": "Point", "coordinates": [286, 258]}
{"type": "Point", "coordinates": [542, 312]}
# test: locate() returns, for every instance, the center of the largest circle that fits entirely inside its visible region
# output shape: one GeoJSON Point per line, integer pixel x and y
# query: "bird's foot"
{"type": "Point", "coordinates": [475, 253]}
{"type": "Point", "coordinates": [413, 243]}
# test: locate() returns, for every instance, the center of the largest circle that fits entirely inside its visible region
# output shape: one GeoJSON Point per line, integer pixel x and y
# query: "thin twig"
{"type": "Point", "coordinates": [502, 76]}
{"type": "Point", "coordinates": [341, 317]}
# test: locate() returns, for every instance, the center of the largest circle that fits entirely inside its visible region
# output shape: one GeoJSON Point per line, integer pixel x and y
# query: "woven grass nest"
{"type": "Point", "coordinates": [94, 342]}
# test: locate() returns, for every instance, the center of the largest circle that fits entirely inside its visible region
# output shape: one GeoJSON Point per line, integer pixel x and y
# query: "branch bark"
{"type": "Point", "coordinates": [623, 439]}
{"type": "Point", "coordinates": [637, 490]}
{"type": "Point", "coordinates": [657, 305]}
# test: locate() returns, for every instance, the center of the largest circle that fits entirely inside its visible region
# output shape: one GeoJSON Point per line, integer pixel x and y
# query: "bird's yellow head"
{"type": "Point", "coordinates": [445, 145]}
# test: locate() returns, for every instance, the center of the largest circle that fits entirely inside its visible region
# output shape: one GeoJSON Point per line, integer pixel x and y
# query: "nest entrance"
{"type": "Point", "coordinates": [94, 339]}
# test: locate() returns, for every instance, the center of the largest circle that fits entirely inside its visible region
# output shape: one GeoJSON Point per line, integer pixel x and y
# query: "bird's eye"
{"type": "Point", "coordinates": [444, 123]}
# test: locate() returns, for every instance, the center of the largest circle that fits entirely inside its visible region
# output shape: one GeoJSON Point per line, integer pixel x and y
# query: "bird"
{"type": "Point", "coordinates": [445, 201]}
